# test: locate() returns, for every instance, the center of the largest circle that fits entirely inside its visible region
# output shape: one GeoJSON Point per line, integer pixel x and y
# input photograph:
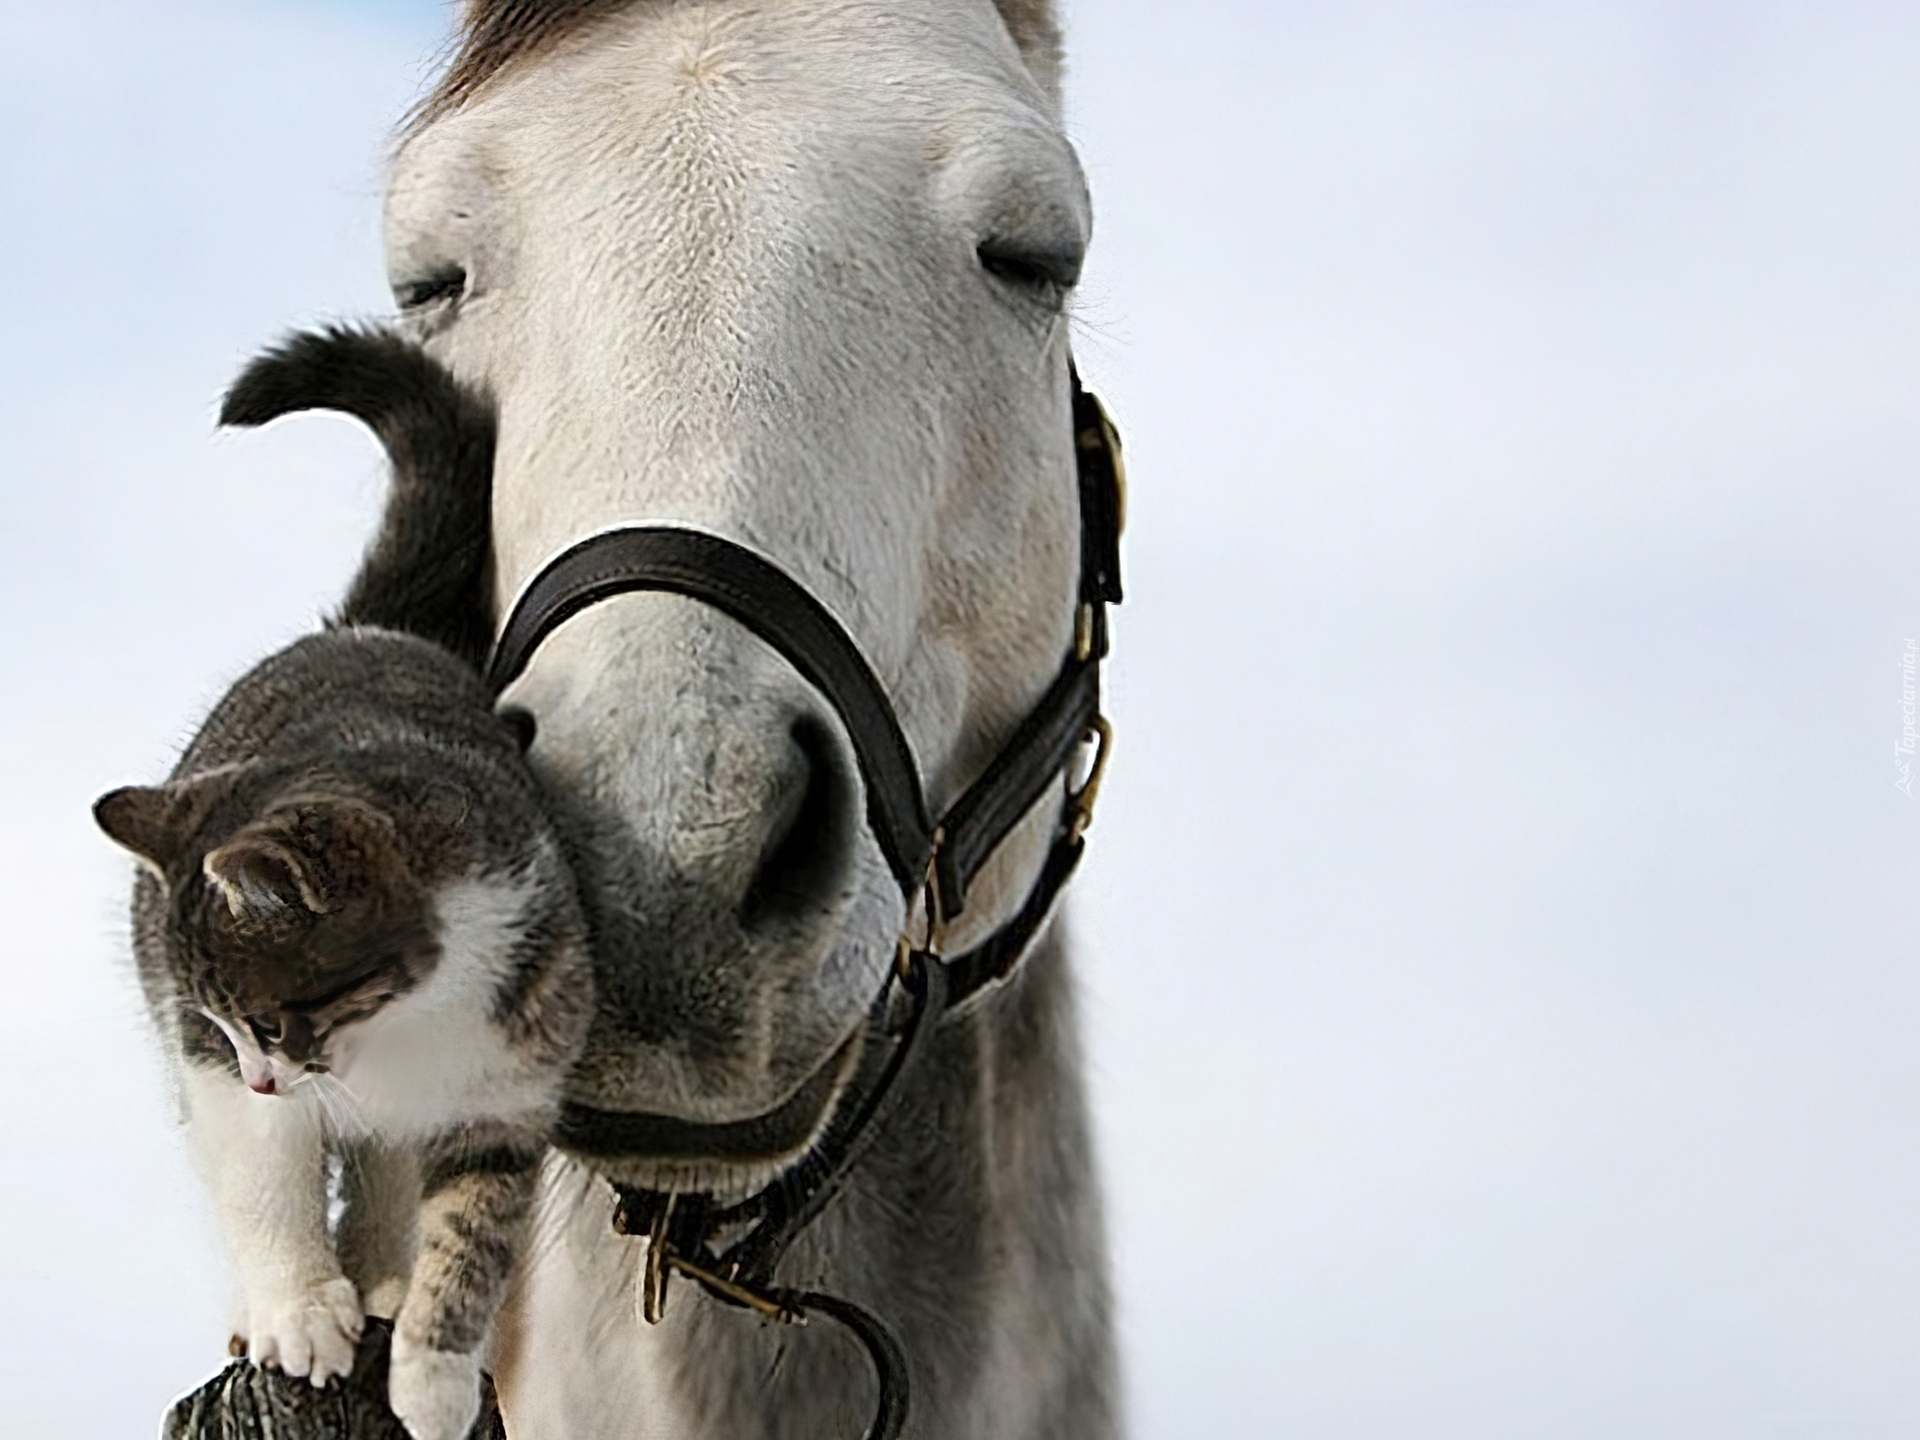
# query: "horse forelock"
{"type": "Point", "coordinates": [494, 34]}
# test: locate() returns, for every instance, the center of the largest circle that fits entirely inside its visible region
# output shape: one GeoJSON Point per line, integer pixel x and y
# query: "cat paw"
{"type": "Point", "coordinates": [310, 1331]}
{"type": "Point", "coordinates": [435, 1393]}
{"type": "Point", "coordinates": [383, 1297]}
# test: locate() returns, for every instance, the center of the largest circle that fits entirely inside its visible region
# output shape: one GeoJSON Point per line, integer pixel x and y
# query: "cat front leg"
{"type": "Point", "coordinates": [379, 1221]}
{"type": "Point", "coordinates": [475, 1210]}
{"type": "Point", "coordinates": [264, 1158]}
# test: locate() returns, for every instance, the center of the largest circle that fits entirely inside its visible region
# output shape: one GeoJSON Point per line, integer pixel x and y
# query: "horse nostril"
{"type": "Point", "coordinates": [806, 851]}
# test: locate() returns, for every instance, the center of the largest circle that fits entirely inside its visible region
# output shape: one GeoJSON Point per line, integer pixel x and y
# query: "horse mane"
{"type": "Point", "coordinates": [495, 34]}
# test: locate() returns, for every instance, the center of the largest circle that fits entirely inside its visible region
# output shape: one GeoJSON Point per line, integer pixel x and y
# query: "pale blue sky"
{"type": "Point", "coordinates": [1500, 938]}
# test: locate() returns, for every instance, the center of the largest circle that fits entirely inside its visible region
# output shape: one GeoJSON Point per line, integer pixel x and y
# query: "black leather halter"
{"type": "Point", "coordinates": [934, 861]}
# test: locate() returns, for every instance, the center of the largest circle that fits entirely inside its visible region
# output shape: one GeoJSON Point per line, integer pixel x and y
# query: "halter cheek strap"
{"type": "Point", "coordinates": [934, 861]}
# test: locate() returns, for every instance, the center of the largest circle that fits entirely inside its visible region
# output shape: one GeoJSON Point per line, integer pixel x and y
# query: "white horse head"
{"type": "Point", "coordinates": [793, 271]}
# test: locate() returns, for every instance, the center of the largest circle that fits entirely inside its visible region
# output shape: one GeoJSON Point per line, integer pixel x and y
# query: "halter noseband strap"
{"type": "Point", "coordinates": [940, 858]}
{"type": "Point", "coordinates": [785, 614]}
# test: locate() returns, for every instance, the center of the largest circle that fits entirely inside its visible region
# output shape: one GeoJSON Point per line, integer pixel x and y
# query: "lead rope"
{"type": "Point", "coordinates": [678, 1228]}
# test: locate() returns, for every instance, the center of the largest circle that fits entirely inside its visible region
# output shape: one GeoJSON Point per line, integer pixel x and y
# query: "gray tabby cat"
{"type": "Point", "coordinates": [357, 928]}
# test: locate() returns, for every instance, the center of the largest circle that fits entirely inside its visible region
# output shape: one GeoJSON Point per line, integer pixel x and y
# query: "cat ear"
{"type": "Point", "coordinates": [156, 822]}
{"type": "Point", "coordinates": [145, 819]}
{"type": "Point", "coordinates": [260, 877]}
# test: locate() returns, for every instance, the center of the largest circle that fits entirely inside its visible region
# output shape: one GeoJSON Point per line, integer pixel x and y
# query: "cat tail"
{"type": "Point", "coordinates": [429, 570]}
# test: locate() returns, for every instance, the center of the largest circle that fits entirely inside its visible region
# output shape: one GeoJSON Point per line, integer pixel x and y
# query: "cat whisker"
{"type": "Point", "coordinates": [341, 1108]}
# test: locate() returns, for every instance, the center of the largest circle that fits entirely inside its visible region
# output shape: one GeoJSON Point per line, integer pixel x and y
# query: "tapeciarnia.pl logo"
{"type": "Point", "coordinates": [1903, 749]}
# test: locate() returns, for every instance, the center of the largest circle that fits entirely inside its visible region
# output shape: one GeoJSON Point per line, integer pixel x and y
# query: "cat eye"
{"type": "Point", "coordinates": [311, 1004]}
{"type": "Point", "coordinates": [267, 1030]}
{"type": "Point", "coordinates": [293, 1034]}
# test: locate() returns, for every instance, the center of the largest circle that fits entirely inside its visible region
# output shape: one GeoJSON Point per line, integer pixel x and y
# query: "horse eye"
{"type": "Point", "coordinates": [1042, 271]}
{"type": "Point", "coordinates": [447, 285]}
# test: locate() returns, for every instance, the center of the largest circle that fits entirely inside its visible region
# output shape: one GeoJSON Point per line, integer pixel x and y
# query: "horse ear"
{"type": "Point", "coordinates": [145, 819]}
{"type": "Point", "coordinates": [1035, 27]}
{"type": "Point", "coordinates": [261, 877]}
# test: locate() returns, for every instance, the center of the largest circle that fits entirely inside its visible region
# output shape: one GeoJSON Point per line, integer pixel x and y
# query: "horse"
{"type": "Point", "coordinates": [794, 273]}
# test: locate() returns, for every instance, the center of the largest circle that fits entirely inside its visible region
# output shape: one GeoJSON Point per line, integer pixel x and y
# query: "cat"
{"type": "Point", "coordinates": [357, 928]}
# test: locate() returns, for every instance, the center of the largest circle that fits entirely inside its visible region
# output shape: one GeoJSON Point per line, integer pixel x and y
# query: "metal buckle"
{"type": "Point", "coordinates": [653, 1282]}
{"type": "Point", "coordinates": [771, 1308]}
{"type": "Point", "coordinates": [927, 904]}
{"type": "Point", "coordinates": [1083, 799]}
{"type": "Point", "coordinates": [663, 1261]}
{"type": "Point", "coordinates": [1107, 438]}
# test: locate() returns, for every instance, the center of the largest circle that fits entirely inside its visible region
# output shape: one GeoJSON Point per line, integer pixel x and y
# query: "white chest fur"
{"type": "Point", "coordinates": [438, 1056]}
